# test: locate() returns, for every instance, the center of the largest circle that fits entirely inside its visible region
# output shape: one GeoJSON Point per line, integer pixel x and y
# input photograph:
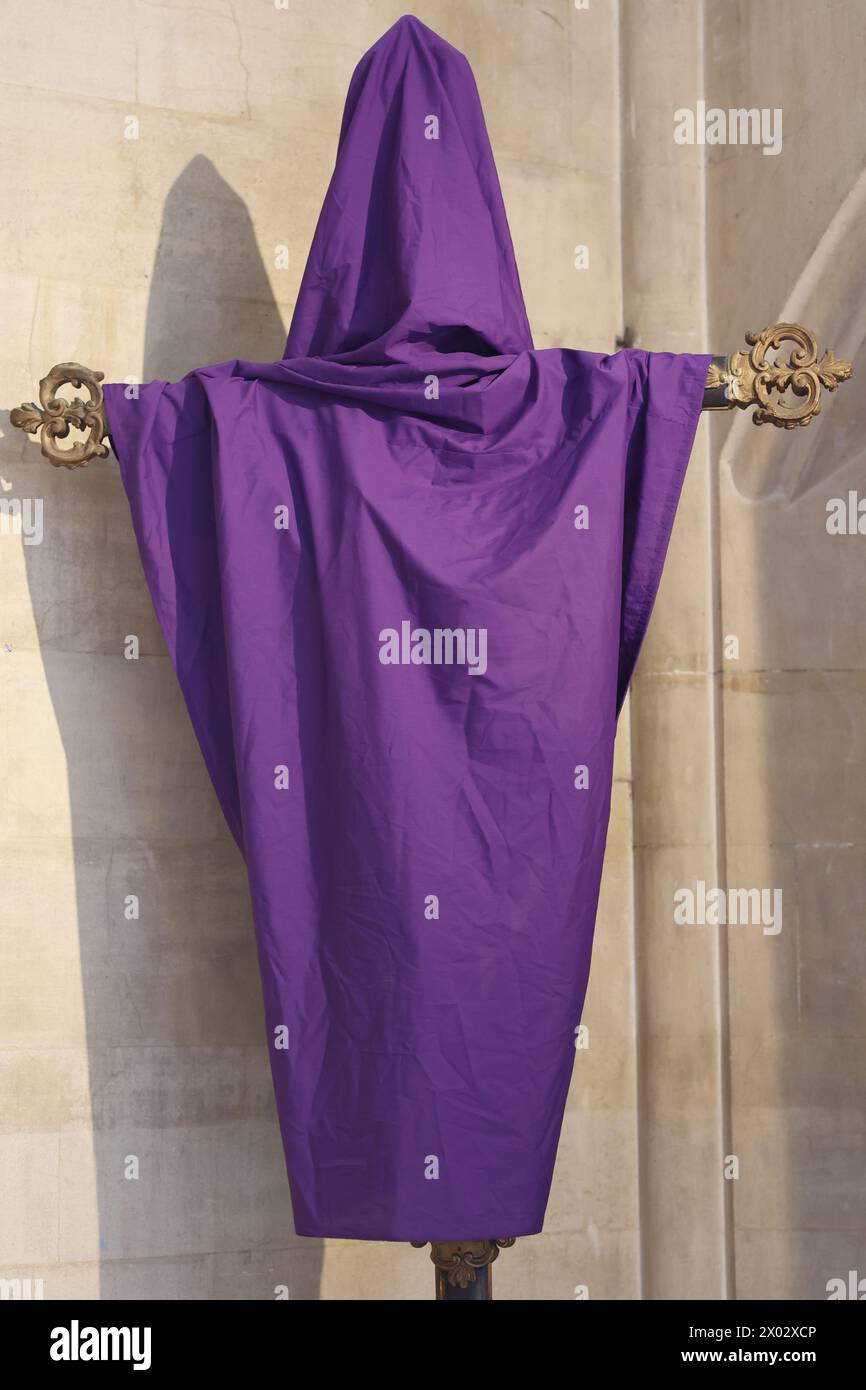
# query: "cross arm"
{"type": "Point", "coordinates": [785, 393]}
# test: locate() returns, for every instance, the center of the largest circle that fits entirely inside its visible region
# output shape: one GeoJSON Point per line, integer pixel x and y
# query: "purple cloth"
{"type": "Point", "coordinates": [404, 574]}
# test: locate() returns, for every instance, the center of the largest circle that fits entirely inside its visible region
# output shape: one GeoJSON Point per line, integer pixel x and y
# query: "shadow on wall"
{"type": "Point", "coordinates": [178, 1069]}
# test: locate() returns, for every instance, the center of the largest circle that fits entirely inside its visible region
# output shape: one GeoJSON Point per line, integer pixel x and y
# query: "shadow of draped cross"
{"type": "Point", "coordinates": [178, 1075]}
{"type": "Point", "coordinates": [211, 299]}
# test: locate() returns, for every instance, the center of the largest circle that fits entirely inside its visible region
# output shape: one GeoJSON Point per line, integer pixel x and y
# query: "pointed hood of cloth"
{"type": "Point", "coordinates": [412, 257]}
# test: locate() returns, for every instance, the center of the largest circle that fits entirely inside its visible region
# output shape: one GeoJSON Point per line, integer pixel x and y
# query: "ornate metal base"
{"type": "Point", "coordinates": [463, 1267]}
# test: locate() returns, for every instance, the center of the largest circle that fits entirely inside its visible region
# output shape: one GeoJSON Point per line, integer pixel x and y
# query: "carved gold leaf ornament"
{"type": "Point", "coordinates": [717, 376]}
{"type": "Point", "coordinates": [752, 380]}
{"type": "Point", "coordinates": [54, 417]}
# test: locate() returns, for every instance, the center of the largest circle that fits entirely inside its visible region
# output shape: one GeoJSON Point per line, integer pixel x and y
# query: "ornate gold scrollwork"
{"type": "Point", "coordinates": [459, 1259]}
{"type": "Point", "coordinates": [747, 378]}
{"type": "Point", "coordinates": [54, 417]}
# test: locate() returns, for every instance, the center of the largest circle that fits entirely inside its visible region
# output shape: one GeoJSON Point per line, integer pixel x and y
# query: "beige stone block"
{"type": "Point", "coordinates": [40, 45]}
{"type": "Point", "coordinates": [804, 981]}
{"type": "Point", "coordinates": [557, 209]}
{"type": "Point", "coordinates": [191, 60]}
{"type": "Point", "coordinates": [191, 203]}
{"type": "Point", "coordinates": [622, 745]}
{"type": "Point", "coordinates": [794, 757]}
{"type": "Point", "coordinates": [168, 1087]}
{"type": "Point", "coordinates": [82, 1196]}
{"type": "Point", "coordinates": [98, 325]}
{"type": "Point", "coordinates": [301, 68]}
{"type": "Point", "coordinates": [596, 1163]}
{"type": "Point", "coordinates": [42, 999]}
{"type": "Point", "coordinates": [201, 1189]}
{"type": "Point", "coordinates": [29, 1173]}
{"type": "Point", "coordinates": [675, 68]}
{"type": "Point", "coordinates": [229, 1276]}
{"type": "Point", "coordinates": [673, 760]}
{"type": "Point", "coordinates": [32, 749]}
{"type": "Point", "coordinates": [830, 945]}
{"type": "Point", "coordinates": [18, 295]}
{"type": "Point", "coordinates": [595, 96]}
{"type": "Point", "coordinates": [595, 1183]}
{"type": "Point", "coordinates": [609, 1008]}
{"type": "Point", "coordinates": [822, 78]}
{"type": "Point", "coordinates": [42, 1003]}
{"type": "Point", "coordinates": [112, 740]}
{"type": "Point", "coordinates": [679, 1082]}
{"type": "Point", "coordinates": [361, 1270]}
{"type": "Point", "coordinates": [558, 114]}
{"type": "Point", "coordinates": [86, 534]}
{"type": "Point", "coordinates": [801, 1155]}
{"type": "Point", "coordinates": [48, 1282]}
{"type": "Point", "coordinates": [792, 594]}
{"type": "Point", "coordinates": [663, 270]}
{"type": "Point", "coordinates": [679, 638]}
{"type": "Point", "coordinates": [602, 1265]}
{"type": "Point", "coordinates": [48, 223]}
{"type": "Point", "coordinates": [604, 1081]}
{"type": "Point", "coordinates": [44, 1090]}
{"type": "Point", "coordinates": [40, 922]}
{"type": "Point", "coordinates": [291, 1274]}
{"type": "Point", "coordinates": [176, 999]}
{"type": "Point", "coordinates": [792, 1264]}
{"type": "Point", "coordinates": [684, 1212]}
{"type": "Point", "coordinates": [210, 299]}
{"type": "Point", "coordinates": [677, 963]}
{"type": "Point", "coordinates": [185, 969]}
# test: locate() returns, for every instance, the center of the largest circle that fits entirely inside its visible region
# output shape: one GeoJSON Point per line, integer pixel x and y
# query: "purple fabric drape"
{"type": "Point", "coordinates": [404, 574]}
